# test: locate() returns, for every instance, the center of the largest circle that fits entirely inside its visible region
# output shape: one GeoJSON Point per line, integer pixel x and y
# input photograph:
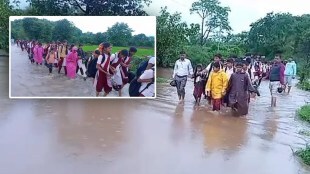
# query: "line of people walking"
{"type": "Point", "coordinates": [232, 82]}
{"type": "Point", "coordinates": [108, 70]}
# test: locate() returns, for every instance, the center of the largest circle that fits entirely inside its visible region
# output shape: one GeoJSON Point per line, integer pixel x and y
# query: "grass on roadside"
{"type": "Point", "coordinates": [304, 154]}
{"type": "Point", "coordinates": [304, 113]}
{"type": "Point", "coordinates": [141, 51]}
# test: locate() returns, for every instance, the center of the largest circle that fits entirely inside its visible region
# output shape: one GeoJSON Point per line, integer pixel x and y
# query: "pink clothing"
{"type": "Point", "coordinates": [35, 53]}
{"type": "Point", "coordinates": [40, 51]}
{"type": "Point", "coordinates": [71, 63]}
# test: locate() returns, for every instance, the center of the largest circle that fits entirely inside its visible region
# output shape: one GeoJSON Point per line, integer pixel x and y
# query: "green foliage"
{"type": "Point", "coordinates": [5, 12]}
{"type": "Point", "coordinates": [88, 7]}
{"type": "Point", "coordinates": [305, 85]}
{"type": "Point", "coordinates": [142, 52]}
{"type": "Point", "coordinates": [304, 154]}
{"type": "Point", "coordinates": [62, 30]}
{"type": "Point", "coordinates": [171, 37]}
{"type": "Point", "coordinates": [304, 113]}
{"type": "Point", "coordinates": [214, 18]}
{"type": "Point", "coordinates": [47, 31]}
{"type": "Point", "coordinates": [119, 34]}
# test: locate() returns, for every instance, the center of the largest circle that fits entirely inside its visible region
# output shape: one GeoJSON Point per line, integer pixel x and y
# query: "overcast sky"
{"type": "Point", "coordinates": [140, 24]}
{"type": "Point", "coordinates": [243, 12]}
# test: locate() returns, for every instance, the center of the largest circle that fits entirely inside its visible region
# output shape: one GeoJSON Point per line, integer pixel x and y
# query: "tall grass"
{"type": "Point", "coordinates": [141, 51]}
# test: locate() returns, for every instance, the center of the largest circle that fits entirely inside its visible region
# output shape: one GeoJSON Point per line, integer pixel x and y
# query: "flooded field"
{"type": "Point", "coordinates": [148, 136]}
{"type": "Point", "coordinates": [30, 80]}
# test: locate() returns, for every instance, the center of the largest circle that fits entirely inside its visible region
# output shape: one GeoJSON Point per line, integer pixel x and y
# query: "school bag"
{"type": "Point", "coordinates": [142, 68]}
{"type": "Point", "coordinates": [92, 67]}
{"type": "Point", "coordinates": [134, 87]}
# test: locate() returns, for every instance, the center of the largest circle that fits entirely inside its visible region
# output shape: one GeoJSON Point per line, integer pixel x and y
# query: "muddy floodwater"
{"type": "Point", "coordinates": [148, 136]}
{"type": "Point", "coordinates": [30, 80]}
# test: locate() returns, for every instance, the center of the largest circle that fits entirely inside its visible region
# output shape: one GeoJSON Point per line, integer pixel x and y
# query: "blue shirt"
{"type": "Point", "coordinates": [290, 69]}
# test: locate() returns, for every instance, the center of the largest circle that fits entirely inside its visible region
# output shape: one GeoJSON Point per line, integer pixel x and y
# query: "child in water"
{"type": "Point", "coordinates": [198, 83]}
{"type": "Point", "coordinates": [239, 89]}
{"type": "Point", "coordinates": [216, 86]}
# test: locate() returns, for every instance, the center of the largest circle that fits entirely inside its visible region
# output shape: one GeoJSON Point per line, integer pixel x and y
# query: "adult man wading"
{"type": "Point", "coordinates": [182, 69]}
{"type": "Point", "coordinates": [276, 77]}
{"type": "Point", "coordinates": [290, 74]}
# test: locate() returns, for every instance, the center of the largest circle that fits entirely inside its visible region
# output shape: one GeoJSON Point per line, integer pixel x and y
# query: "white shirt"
{"type": "Point", "coordinates": [229, 72]}
{"type": "Point", "coordinates": [152, 60]}
{"type": "Point", "coordinates": [100, 59]}
{"type": "Point", "coordinates": [182, 68]}
{"type": "Point", "coordinates": [149, 92]}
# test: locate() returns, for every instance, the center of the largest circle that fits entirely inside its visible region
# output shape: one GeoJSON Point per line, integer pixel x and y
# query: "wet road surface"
{"type": "Point", "coordinates": [30, 80]}
{"type": "Point", "coordinates": [148, 136]}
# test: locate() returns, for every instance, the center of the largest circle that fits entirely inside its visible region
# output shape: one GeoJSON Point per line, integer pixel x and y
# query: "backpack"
{"type": "Point", "coordinates": [92, 67]}
{"type": "Point", "coordinates": [141, 68]}
{"type": "Point", "coordinates": [135, 86]}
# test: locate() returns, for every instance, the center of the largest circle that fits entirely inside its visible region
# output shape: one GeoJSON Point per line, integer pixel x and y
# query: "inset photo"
{"type": "Point", "coordinates": [82, 57]}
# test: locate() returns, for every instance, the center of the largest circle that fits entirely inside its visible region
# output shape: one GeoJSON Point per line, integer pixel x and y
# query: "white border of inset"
{"type": "Point", "coordinates": [10, 91]}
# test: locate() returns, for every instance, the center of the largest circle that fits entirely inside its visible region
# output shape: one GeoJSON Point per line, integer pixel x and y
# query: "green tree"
{"type": "Point", "coordinates": [5, 11]}
{"type": "Point", "coordinates": [119, 34]}
{"type": "Point", "coordinates": [63, 30]}
{"type": "Point", "coordinates": [213, 16]}
{"type": "Point", "coordinates": [33, 28]}
{"type": "Point", "coordinates": [89, 7]}
{"type": "Point", "coordinates": [171, 37]}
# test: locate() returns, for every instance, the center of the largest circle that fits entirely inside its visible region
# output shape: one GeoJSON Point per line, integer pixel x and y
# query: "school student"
{"type": "Point", "coordinates": [116, 79]}
{"type": "Point", "coordinates": [62, 52]}
{"type": "Point", "coordinates": [81, 56]}
{"type": "Point", "coordinates": [125, 64]}
{"type": "Point", "coordinates": [39, 53]}
{"type": "Point", "coordinates": [147, 83]}
{"type": "Point", "coordinates": [103, 66]}
{"type": "Point", "coordinates": [198, 83]}
{"type": "Point", "coordinates": [50, 59]}
{"type": "Point", "coordinates": [216, 86]}
{"type": "Point", "coordinates": [239, 87]}
{"type": "Point", "coordinates": [71, 63]}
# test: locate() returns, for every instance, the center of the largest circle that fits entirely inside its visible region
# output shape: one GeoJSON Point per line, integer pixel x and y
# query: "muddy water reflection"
{"type": "Point", "coordinates": [149, 136]}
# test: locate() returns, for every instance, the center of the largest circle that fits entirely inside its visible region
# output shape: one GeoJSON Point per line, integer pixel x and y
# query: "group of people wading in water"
{"type": "Point", "coordinates": [232, 82]}
{"type": "Point", "coordinates": [109, 71]}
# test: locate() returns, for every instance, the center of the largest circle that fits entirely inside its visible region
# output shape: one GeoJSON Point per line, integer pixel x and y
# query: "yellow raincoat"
{"type": "Point", "coordinates": [217, 84]}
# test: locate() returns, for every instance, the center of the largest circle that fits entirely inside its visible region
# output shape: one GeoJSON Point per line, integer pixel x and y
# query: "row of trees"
{"type": "Point", "coordinates": [274, 33]}
{"type": "Point", "coordinates": [120, 34]}
{"type": "Point", "coordinates": [66, 8]}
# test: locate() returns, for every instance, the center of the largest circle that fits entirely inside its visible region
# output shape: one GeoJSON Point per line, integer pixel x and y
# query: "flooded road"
{"type": "Point", "coordinates": [148, 136]}
{"type": "Point", "coordinates": [30, 80]}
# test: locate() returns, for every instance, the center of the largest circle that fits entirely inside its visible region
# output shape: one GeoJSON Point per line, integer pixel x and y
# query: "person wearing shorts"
{"type": "Point", "coordinates": [276, 77]}
{"type": "Point", "coordinates": [290, 73]}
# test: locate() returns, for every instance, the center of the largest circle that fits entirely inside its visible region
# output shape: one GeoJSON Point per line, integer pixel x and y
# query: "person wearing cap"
{"type": "Point", "coordinates": [125, 64]}
{"type": "Point", "coordinates": [101, 81]}
{"type": "Point", "coordinates": [289, 74]}
{"type": "Point", "coordinates": [71, 63]}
